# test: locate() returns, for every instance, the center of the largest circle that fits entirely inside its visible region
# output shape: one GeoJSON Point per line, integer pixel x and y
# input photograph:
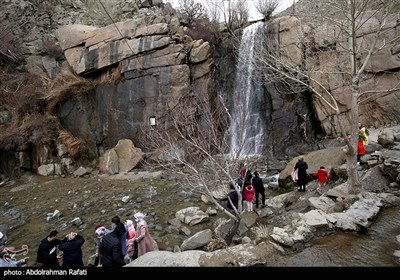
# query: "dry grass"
{"type": "Point", "coordinates": [35, 130]}
{"type": "Point", "coordinates": [260, 231]}
{"type": "Point", "coordinates": [66, 86]}
{"type": "Point", "coordinates": [75, 146]}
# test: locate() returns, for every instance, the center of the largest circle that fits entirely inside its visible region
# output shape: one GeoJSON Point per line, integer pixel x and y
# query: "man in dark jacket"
{"type": "Point", "coordinates": [110, 248]}
{"type": "Point", "coordinates": [47, 252]}
{"type": "Point", "coordinates": [259, 187]}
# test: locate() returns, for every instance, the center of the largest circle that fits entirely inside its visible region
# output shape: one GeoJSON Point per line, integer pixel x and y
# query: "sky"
{"type": "Point", "coordinates": [253, 14]}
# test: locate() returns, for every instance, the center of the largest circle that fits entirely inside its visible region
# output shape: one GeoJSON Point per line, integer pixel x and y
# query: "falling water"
{"type": "Point", "coordinates": [247, 124]}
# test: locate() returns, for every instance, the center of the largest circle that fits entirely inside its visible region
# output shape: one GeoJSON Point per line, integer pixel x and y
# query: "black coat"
{"type": "Point", "coordinates": [72, 252]}
{"type": "Point", "coordinates": [43, 254]}
{"type": "Point", "coordinates": [235, 199]}
{"type": "Point", "coordinates": [301, 167]}
{"type": "Point", "coordinates": [258, 184]}
{"type": "Point", "coordinates": [111, 251]}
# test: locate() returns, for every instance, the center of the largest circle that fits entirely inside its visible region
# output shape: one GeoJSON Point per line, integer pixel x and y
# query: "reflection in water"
{"type": "Point", "coordinates": [373, 248]}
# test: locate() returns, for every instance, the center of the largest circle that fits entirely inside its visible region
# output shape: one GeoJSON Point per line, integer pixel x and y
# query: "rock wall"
{"type": "Point", "coordinates": [315, 47]}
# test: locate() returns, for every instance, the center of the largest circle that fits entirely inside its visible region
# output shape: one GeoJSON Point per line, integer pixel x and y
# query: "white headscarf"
{"type": "Point", "coordinates": [129, 223]}
{"type": "Point", "coordinates": [138, 216]}
{"type": "Point", "coordinates": [70, 236]}
{"type": "Point", "coordinates": [101, 231]}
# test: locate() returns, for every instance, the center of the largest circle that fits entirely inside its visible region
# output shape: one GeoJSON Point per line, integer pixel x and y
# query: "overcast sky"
{"type": "Point", "coordinates": [283, 4]}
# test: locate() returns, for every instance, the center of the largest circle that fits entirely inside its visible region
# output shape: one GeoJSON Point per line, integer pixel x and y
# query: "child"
{"type": "Point", "coordinates": [249, 192]}
{"type": "Point", "coordinates": [322, 175]}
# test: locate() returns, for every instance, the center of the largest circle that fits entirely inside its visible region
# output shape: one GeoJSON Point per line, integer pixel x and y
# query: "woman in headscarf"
{"type": "Point", "coordinates": [71, 246]}
{"type": "Point", "coordinates": [142, 235]}
{"type": "Point", "coordinates": [129, 239]}
{"type": "Point", "coordinates": [301, 167]}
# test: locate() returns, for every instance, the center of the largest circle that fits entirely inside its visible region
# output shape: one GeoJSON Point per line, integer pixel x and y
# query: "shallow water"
{"type": "Point", "coordinates": [375, 247]}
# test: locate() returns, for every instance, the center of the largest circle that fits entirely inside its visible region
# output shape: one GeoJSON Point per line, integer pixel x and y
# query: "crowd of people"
{"type": "Point", "coordinates": [117, 246]}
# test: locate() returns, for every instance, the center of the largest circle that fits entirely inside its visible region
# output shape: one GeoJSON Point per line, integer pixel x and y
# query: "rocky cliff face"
{"type": "Point", "coordinates": [157, 69]}
{"type": "Point", "coordinates": [317, 46]}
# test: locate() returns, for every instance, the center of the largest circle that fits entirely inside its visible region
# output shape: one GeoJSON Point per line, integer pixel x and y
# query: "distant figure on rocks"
{"type": "Point", "coordinates": [360, 150]}
{"type": "Point", "coordinates": [259, 187]}
{"type": "Point", "coordinates": [322, 175]}
{"type": "Point", "coordinates": [233, 195]}
{"type": "Point", "coordinates": [249, 192]}
{"type": "Point", "coordinates": [364, 133]}
{"type": "Point", "coordinates": [242, 171]}
{"type": "Point", "coordinates": [142, 237]}
{"type": "Point", "coordinates": [301, 167]}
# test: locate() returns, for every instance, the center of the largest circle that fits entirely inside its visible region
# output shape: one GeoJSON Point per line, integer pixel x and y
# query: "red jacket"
{"type": "Point", "coordinates": [360, 147]}
{"type": "Point", "coordinates": [322, 175]}
{"type": "Point", "coordinates": [249, 192]}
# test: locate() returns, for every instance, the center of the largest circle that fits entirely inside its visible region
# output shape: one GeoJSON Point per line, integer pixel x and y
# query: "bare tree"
{"type": "Point", "coordinates": [192, 10]}
{"type": "Point", "coordinates": [213, 11]}
{"type": "Point", "coordinates": [345, 23]}
{"type": "Point", "coordinates": [192, 142]}
{"type": "Point", "coordinates": [233, 13]}
{"type": "Point", "coordinates": [266, 7]}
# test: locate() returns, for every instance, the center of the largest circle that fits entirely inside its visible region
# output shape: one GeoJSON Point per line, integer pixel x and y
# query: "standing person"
{"type": "Point", "coordinates": [120, 230]}
{"type": "Point", "coordinates": [242, 171]}
{"type": "Point", "coordinates": [110, 247]}
{"type": "Point", "coordinates": [143, 237]}
{"type": "Point", "coordinates": [259, 187]}
{"type": "Point", "coordinates": [71, 246]}
{"type": "Point", "coordinates": [301, 167]}
{"type": "Point", "coordinates": [47, 252]}
{"type": "Point", "coordinates": [130, 243]}
{"type": "Point", "coordinates": [322, 175]}
{"type": "Point", "coordinates": [233, 195]}
{"type": "Point", "coordinates": [360, 149]}
{"type": "Point", "coordinates": [100, 231]}
{"type": "Point", "coordinates": [246, 181]}
{"type": "Point", "coordinates": [249, 192]}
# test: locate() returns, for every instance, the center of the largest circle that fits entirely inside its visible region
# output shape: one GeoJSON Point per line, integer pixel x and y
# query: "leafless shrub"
{"type": "Point", "coordinates": [10, 51]}
{"type": "Point", "coordinates": [204, 29]}
{"type": "Point", "coordinates": [52, 49]}
{"type": "Point", "coordinates": [21, 94]}
{"type": "Point", "coordinates": [35, 130]}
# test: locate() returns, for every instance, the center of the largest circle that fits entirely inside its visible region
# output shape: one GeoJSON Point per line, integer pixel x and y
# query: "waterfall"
{"type": "Point", "coordinates": [248, 124]}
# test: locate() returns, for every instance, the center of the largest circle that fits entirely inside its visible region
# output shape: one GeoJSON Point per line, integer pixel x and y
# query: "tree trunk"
{"type": "Point", "coordinates": [232, 231]}
{"type": "Point", "coordinates": [352, 170]}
